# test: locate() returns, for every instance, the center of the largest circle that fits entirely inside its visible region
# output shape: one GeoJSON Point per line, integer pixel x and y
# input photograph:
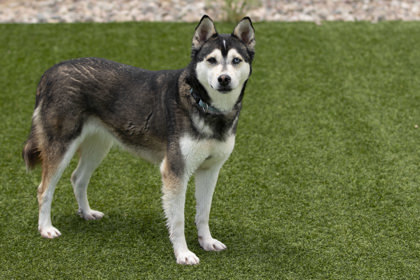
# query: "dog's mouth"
{"type": "Point", "coordinates": [224, 90]}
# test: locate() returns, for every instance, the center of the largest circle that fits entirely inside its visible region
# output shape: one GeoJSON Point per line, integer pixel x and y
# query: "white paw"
{"type": "Point", "coordinates": [90, 215]}
{"type": "Point", "coordinates": [187, 257]}
{"type": "Point", "coordinates": [49, 232]}
{"type": "Point", "coordinates": [211, 244]}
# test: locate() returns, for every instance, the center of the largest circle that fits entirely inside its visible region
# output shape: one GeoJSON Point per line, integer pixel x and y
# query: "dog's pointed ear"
{"type": "Point", "coordinates": [245, 32]}
{"type": "Point", "coordinates": [204, 31]}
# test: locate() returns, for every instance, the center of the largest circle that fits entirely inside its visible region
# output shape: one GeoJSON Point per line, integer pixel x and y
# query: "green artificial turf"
{"type": "Point", "coordinates": [323, 182]}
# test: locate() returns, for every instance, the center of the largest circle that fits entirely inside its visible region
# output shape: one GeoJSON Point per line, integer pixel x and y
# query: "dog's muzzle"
{"type": "Point", "coordinates": [224, 83]}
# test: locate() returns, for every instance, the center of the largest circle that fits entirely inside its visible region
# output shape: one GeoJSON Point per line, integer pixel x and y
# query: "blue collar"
{"type": "Point", "coordinates": [206, 107]}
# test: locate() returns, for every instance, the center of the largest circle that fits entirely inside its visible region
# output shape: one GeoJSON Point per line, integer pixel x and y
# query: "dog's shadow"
{"type": "Point", "coordinates": [134, 225]}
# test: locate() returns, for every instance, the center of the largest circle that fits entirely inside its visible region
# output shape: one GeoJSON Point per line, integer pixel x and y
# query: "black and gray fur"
{"type": "Point", "coordinates": [147, 112]}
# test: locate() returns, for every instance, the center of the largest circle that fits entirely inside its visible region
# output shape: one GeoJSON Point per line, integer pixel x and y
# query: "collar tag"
{"type": "Point", "coordinates": [206, 107]}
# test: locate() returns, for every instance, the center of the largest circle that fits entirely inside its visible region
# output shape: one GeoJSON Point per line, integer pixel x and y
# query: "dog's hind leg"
{"type": "Point", "coordinates": [205, 183]}
{"type": "Point", "coordinates": [93, 149]}
{"type": "Point", "coordinates": [53, 165]}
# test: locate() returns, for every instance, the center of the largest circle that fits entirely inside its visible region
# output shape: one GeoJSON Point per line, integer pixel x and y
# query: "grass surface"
{"type": "Point", "coordinates": [323, 182]}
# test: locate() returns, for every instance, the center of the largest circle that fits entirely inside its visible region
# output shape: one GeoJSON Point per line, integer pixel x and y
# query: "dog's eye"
{"type": "Point", "coordinates": [236, 60]}
{"type": "Point", "coordinates": [212, 60]}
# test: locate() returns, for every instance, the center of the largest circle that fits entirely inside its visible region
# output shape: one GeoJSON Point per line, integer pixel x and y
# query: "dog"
{"type": "Point", "coordinates": [182, 120]}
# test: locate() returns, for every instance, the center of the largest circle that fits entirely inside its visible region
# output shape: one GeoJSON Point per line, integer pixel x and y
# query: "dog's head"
{"type": "Point", "coordinates": [223, 61]}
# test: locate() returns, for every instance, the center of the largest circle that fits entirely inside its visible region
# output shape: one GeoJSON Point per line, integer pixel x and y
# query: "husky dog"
{"type": "Point", "coordinates": [185, 120]}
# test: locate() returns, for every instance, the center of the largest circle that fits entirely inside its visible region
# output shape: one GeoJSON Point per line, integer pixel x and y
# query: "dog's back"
{"type": "Point", "coordinates": [120, 96]}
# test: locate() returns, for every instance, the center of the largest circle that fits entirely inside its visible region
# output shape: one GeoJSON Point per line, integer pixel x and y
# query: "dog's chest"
{"type": "Point", "coordinates": [205, 153]}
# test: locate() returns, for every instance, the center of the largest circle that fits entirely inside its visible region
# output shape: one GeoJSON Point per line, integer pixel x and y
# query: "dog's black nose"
{"type": "Point", "coordinates": [224, 80]}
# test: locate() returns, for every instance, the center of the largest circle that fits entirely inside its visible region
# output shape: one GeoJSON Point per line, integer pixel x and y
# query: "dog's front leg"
{"type": "Point", "coordinates": [205, 183]}
{"type": "Point", "coordinates": [174, 188]}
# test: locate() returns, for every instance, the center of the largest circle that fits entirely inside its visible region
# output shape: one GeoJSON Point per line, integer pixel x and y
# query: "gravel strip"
{"type": "Point", "coordinates": [53, 11]}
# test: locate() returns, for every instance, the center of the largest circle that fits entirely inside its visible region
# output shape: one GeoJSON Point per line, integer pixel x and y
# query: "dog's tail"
{"type": "Point", "coordinates": [31, 153]}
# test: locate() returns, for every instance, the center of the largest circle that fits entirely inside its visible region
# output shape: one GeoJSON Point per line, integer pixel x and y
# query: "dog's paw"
{"type": "Point", "coordinates": [187, 257]}
{"type": "Point", "coordinates": [90, 215]}
{"type": "Point", "coordinates": [211, 244]}
{"type": "Point", "coordinates": [49, 232]}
